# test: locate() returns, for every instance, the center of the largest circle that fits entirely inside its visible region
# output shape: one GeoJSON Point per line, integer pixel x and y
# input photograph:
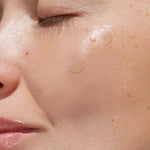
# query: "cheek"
{"type": "Point", "coordinates": [93, 76]}
{"type": "Point", "coordinates": [77, 77]}
{"type": "Point", "coordinates": [110, 70]}
{"type": "Point", "coordinates": [91, 73]}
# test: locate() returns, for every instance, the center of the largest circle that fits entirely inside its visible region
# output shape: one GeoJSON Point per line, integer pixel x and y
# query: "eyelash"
{"type": "Point", "coordinates": [54, 21]}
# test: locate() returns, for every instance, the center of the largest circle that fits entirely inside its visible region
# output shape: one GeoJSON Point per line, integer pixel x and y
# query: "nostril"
{"type": "Point", "coordinates": [1, 85]}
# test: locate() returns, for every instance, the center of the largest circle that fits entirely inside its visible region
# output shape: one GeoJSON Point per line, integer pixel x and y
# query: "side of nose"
{"type": "Point", "coordinates": [9, 79]}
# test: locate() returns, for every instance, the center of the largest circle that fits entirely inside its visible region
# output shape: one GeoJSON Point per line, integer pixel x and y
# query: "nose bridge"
{"type": "Point", "coordinates": [12, 29]}
{"type": "Point", "coordinates": [12, 35]}
{"type": "Point", "coordinates": [15, 30]}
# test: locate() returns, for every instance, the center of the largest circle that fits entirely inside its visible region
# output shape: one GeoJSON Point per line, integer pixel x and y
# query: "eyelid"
{"type": "Point", "coordinates": [51, 8]}
{"type": "Point", "coordinates": [44, 11]}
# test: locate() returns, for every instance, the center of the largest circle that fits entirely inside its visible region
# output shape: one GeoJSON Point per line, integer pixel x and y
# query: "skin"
{"type": "Point", "coordinates": [85, 82]}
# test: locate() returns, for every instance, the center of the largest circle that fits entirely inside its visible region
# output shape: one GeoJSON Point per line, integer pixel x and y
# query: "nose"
{"type": "Point", "coordinates": [9, 79]}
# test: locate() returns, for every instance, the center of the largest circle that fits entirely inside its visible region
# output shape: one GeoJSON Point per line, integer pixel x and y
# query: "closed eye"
{"type": "Point", "coordinates": [55, 20]}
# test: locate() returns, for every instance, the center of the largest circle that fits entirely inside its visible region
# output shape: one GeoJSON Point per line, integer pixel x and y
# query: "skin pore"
{"type": "Point", "coordinates": [79, 70]}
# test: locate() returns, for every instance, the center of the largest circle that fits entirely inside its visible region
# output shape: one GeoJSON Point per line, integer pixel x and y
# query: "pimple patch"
{"type": "Point", "coordinates": [93, 40]}
{"type": "Point", "coordinates": [77, 67]}
{"type": "Point", "coordinates": [107, 37]}
{"type": "Point", "coordinates": [98, 38]}
{"type": "Point", "coordinates": [103, 36]}
{"type": "Point", "coordinates": [77, 64]}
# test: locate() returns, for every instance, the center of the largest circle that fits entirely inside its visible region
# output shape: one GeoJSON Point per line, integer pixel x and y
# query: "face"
{"type": "Point", "coordinates": [78, 71]}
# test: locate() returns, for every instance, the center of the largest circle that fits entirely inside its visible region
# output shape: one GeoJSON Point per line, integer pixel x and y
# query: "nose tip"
{"type": "Point", "coordinates": [9, 79]}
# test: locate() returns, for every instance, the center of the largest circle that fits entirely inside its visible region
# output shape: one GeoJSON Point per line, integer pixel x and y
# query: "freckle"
{"type": "Point", "coordinates": [148, 108]}
{"type": "Point", "coordinates": [132, 67]}
{"type": "Point", "coordinates": [40, 90]}
{"type": "Point", "coordinates": [27, 53]}
{"type": "Point", "coordinates": [147, 15]}
{"type": "Point", "coordinates": [129, 95]}
{"type": "Point", "coordinates": [87, 30]}
{"type": "Point", "coordinates": [132, 37]}
{"type": "Point", "coordinates": [123, 46]}
{"type": "Point", "coordinates": [112, 120]}
{"type": "Point", "coordinates": [107, 37]}
{"type": "Point", "coordinates": [131, 5]}
{"type": "Point", "coordinates": [136, 46]}
{"type": "Point", "coordinates": [127, 81]}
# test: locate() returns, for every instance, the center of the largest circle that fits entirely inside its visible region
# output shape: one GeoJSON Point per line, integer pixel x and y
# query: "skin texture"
{"type": "Point", "coordinates": [86, 81]}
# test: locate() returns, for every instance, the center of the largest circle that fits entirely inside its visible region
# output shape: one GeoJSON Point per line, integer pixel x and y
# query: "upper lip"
{"type": "Point", "coordinates": [7, 125]}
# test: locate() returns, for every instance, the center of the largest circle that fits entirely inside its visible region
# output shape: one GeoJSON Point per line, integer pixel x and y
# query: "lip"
{"type": "Point", "coordinates": [13, 132]}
